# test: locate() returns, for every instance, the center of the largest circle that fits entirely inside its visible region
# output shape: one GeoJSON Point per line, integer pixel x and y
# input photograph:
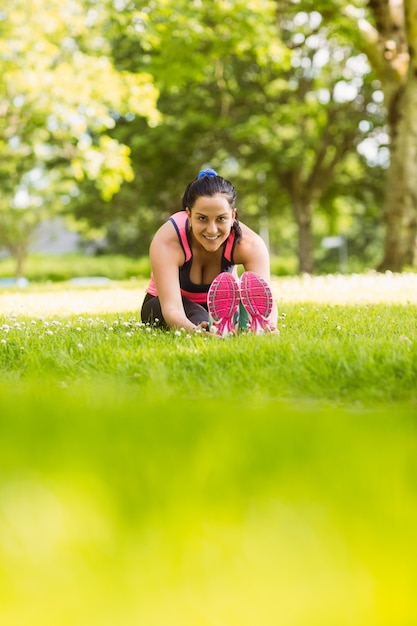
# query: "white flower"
{"type": "Point", "coordinates": [404, 338]}
{"type": "Point", "coordinates": [80, 346]}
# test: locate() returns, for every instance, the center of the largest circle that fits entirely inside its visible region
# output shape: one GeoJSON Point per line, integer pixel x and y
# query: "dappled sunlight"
{"type": "Point", "coordinates": [371, 287]}
{"type": "Point", "coordinates": [69, 301]}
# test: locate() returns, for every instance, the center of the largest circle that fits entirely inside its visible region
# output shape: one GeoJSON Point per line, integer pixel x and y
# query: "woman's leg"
{"type": "Point", "coordinates": [195, 312]}
{"type": "Point", "coordinates": [151, 312]}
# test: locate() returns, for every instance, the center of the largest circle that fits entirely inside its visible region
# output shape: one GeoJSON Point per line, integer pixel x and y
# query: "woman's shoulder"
{"type": "Point", "coordinates": [250, 245]}
{"type": "Point", "coordinates": [249, 236]}
{"type": "Point", "coordinates": [172, 226]}
{"type": "Point", "coordinates": [180, 218]}
{"type": "Point", "coordinates": [168, 240]}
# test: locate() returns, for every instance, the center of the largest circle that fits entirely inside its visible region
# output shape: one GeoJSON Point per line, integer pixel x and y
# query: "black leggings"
{"type": "Point", "coordinates": [151, 311]}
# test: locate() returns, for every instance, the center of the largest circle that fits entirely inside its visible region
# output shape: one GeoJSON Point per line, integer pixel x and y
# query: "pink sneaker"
{"type": "Point", "coordinates": [257, 299]}
{"type": "Point", "coordinates": [223, 302]}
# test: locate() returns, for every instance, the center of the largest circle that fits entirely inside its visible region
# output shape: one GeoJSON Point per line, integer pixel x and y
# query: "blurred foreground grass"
{"type": "Point", "coordinates": [118, 508]}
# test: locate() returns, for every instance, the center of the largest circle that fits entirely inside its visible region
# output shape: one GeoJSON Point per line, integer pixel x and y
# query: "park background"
{"type": "Point", "coordinates": [160, 478]}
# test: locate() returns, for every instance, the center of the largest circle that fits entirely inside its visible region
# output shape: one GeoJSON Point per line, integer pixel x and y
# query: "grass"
{"type": "Point", "coordinates": [336, 363]}
{"type": "Point", "coordinates": [159, 478]}
{"type": "Point", "coordinates": [348, 353]}
{"type": "Point", "coordinates": [40, 268]}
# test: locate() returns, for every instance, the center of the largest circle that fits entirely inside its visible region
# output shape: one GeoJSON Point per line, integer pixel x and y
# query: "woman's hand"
{"type": "Point", "coordinates": [203, 328]}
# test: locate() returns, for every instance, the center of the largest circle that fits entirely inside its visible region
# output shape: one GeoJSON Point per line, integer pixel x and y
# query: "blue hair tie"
{"type": "Point", "coordinates": [208, 172]}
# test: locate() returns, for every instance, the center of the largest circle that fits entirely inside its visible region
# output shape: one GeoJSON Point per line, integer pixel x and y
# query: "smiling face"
{"type": "Point", "coordinates": [211, 219]}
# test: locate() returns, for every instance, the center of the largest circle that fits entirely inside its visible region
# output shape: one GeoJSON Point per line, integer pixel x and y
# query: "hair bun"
{"type": "Point", "coordinates": [208, 172]}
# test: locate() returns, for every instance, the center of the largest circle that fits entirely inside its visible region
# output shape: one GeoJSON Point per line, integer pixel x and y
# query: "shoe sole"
{"type": "Point", "coordinates": [257, 299]}
{"type": "Point", "coordinates": [223, 302]}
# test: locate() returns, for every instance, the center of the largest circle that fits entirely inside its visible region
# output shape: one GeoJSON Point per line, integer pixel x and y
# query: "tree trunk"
{"type": "Point", "coordinates": [303, 215]}
{"type": "Point", "coordinates": [401, 192]}
{"type": "Point", "coordinates": [393, 54]}
{"type": "Point", "coordinates": [19, 251]}
{"type": "Point", "coordinates": [20, 257]}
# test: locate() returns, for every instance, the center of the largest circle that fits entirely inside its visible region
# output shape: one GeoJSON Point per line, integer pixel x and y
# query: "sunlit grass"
{"type": "Point", "coordinates": [118, 297]}
{"type": "Point", "coordinates": [367, 288]}
{"type": "Point", "coordinates": [363, 353]}
{"type": "Point", "coordinates": [63, 299]}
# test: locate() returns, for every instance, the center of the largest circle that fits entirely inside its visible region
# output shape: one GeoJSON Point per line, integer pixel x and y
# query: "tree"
{"type": "Point", "coordinates": [211, 63]}
{"type": "Point", "coordinates": [275, 101]}
{"type": "Point", "coordinates": [391, 47]}
{"type": "Point", "coordinates": [246, 94]}
{"type": "Point", "coordinates": [59, 98]}
{"type": "Point", "coordinates": [386, 32]}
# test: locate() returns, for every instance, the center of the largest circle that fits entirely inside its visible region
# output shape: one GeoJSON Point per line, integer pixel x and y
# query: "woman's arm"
{"type": "Point", "coordinates": [167, 256]}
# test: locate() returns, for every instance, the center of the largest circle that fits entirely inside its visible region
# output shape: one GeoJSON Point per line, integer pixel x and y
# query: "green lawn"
{"type": "Point", "coordinates": [153, 478]}
{"type": "Point", "coordinates": [342, 353]}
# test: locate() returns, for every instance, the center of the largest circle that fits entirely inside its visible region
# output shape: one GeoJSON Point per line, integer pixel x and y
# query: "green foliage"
{"type": "Point", "coordinates": [60, 95]}
{"type": "Point", "coordinates": [201, 102]}
{"type": "Point", "coordinates": [265, 112]}
{"type": "Point", "coordinates": [110, 109]}
{"type": "Point", "coordinates": [284, 266]}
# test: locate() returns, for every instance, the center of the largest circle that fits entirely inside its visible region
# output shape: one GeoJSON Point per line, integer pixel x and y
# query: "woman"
{"type": "Point", "coordinates": [194, 258]}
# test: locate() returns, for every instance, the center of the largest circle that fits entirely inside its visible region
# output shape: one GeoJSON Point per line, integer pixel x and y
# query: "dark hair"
{"type": "Point", "coordinates": [209, 183]}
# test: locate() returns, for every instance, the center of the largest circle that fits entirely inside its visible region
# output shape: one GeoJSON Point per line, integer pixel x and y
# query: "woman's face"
{"type": "Point", "coordinates": [211, 219]}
